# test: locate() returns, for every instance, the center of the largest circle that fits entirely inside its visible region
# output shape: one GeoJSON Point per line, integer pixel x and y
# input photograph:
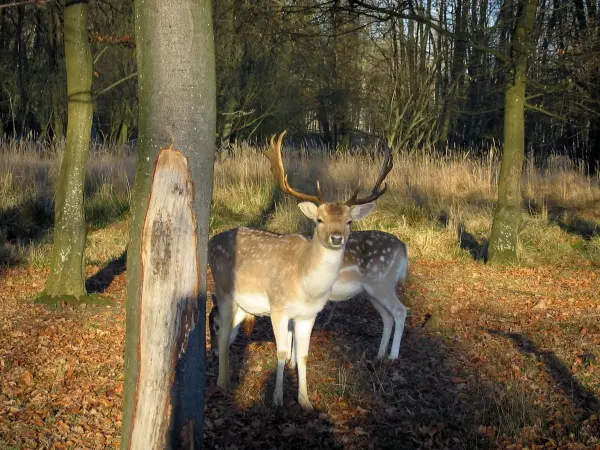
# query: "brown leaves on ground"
{"type": "Point", "coordinates": [495, 372]}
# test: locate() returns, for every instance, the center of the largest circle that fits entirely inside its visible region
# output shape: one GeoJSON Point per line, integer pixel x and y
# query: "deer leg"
{"type": "Point", "coordinates": [330, 316]}
{"type": "Point", "coordinates": [238, 318]}
{"type": "Point", "coordinates": [226, 312]}
{"type": "Point", "coordinates": [280, 324]}
{"type": "Point", "coordinates": [388, 325]}
{"type": "Point", "coordinates": [302, 332]}
{"type": "Point", "coordinates": [291, 361]}
{"type": "Point", "coordinates": [399, 312]}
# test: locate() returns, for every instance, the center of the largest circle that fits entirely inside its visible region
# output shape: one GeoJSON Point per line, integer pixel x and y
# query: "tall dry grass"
{"type": "Point", "coordinates": [28, 175]}
{"type": "Point", "coordinates": [441, 204]}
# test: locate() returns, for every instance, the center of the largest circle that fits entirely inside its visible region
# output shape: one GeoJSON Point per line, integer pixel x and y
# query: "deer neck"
{"type": "Point", "coordinates": [320, 268]}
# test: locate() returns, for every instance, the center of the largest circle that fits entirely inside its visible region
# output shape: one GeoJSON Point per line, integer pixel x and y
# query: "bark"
{"type": "Point", "coordinates": [168, 310]}
{"type": "Point", "coordinates": [458, 63]}
{"type": "Point", "coordinates": [122, 139]}
{"type": "Point", "coordinates": [177, 100]}
{"type": "Point", "coordinates": [507, 217]}
{"type": "Point", "coordinates": [55, 57]}
{"type": "Point", "coordinates": [67, 275]}
{"type": "Point", "coordinates": [231, 86]}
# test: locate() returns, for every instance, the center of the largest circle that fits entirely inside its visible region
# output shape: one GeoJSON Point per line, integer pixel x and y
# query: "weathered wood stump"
{"type": "Point", "coordinates": [168, 335]}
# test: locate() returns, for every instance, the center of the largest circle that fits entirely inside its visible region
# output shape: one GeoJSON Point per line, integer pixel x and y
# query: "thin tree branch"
{"type": "Point", "coordinates": [24, 2]}
{"type": "Point", "coordinates": [387, 13]}
{"type": "Point", "coordinates": [115, 84]}
{"type": "Point", "coordinates": [546, 112]}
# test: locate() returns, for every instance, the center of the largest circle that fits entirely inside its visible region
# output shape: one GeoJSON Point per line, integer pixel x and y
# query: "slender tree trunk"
{"type": "Point", "coordinates": [55, 38]}
{"type": "Point", "coordinates": [228, 110]}
{"type": "Point", "coordinates": [230, 54]}
{"type": "Point", "coordinates": [67, 275]}
{"type": "Point", "coordinates": [458, 65]}
{"type": "Point", "coordinates": [507, 217]}
{"type": "Point", "coordinates": [176, 66]}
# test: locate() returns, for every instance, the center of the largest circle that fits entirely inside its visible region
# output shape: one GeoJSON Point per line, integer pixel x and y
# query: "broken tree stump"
{"type": "Point", "coordinates": [169, 345]}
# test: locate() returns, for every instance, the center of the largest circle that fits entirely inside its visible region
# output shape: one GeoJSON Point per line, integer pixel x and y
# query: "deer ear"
{"type": "Point", "coordinates": [361, 211]}
{"type": "Point", "coordinates": [309, 209]}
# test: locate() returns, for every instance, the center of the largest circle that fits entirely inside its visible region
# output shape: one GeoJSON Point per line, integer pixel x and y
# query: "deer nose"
{"type": "Point", "coordinates": [336, 239]}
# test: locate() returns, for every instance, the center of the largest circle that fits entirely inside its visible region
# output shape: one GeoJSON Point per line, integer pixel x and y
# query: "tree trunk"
{"type": "Point", "coordinates": [67, 275]}
{"type": "Point", "coordinates": [458, 64]}
{"type": "Point", "coordinates": [123, 137]}
{"type": "Point", "coordinates": [230, 54]}
{"type": "Point", "coordinates": [507, 217]}
{"type": "Point", "coordinates": [55, 42]}
{"type": "Point", "coordinates": [177, 100]}
{"type": "Point", "coordinates": [168, 309]}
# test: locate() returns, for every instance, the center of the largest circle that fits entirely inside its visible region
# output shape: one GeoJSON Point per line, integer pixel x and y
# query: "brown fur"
{"type": "Point", "coordinates": [249, 324]}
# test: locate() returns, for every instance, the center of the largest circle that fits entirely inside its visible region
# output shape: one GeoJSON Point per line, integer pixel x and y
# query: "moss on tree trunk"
{"type": "Point", "coordinates": [507, 217]}
{"type": "Point", "coordinates": [67, 275]}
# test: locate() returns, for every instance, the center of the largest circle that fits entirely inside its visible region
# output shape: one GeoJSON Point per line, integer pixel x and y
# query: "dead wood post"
{"type": "Point", "coordinates": [169, 286]}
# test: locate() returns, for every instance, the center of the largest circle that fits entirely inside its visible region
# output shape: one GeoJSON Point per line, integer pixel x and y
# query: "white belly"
{"type": "Point", "coordinates": [345, 290]}
{"type": "Point", "coordinates": [255, 304]}
{"type": "Point", "coordinates": [304, 310]}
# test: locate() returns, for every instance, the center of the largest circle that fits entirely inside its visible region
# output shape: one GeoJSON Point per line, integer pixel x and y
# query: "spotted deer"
{"type": "Point", "coordinates": [375, 263]}
{"type": "Point", "coordinates": [286, 277]}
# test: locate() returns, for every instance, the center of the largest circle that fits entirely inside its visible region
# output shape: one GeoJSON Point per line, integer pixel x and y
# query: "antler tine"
{"type": "Point", "coordinates": [388, 164]}
{"type": "Point", "coordinates": [278, 171]}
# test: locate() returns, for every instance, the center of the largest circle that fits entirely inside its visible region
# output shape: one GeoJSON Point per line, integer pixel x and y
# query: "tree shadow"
{"type": "Point", "coordinates": [101, 280]}
{"type": "Point", "coordinates": [258, 424]}
{"type": "Point", "coordinates": [267, 212]}
{"type": "Point", "coordinates": [570, 387]}
{"type": "Point", "coordinates": [411, 403]}
{"type": "Point", "coordinates": [30, 222]}
{"type": "Point", "coordinates": [586, 229]}
{"type": "Point", "coordinates": [467, 241]}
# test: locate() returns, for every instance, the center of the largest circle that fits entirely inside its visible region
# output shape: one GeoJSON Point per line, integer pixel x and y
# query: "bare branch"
{"type": "Point", "coordinates": [23, 3]}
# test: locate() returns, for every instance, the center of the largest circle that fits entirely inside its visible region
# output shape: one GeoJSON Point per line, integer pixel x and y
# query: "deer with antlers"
{"type": "Point", "coordinates": [375, 263]}
{"type": "Point", "coordinates": [286, 277]}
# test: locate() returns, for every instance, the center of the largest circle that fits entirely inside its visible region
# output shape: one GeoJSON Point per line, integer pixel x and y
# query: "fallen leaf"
{"type": "Point", "coordinates": [62, 427]}
{"type": "Point", "coordinates": [397, 377]}
{"type": "Point", "coordinates": [27, 378]}
{"type": "Point", "coordinates": [361, 410]}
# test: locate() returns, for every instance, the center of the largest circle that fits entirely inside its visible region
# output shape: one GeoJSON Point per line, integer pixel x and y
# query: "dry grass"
{"type": "Point", "coordinates": [28, 175]}
{"type": "Point", "coordinates": [440, 204]}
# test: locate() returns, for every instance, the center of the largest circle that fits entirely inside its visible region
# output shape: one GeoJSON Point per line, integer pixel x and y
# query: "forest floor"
{"type": "Point", "coordinates": [492, 357]}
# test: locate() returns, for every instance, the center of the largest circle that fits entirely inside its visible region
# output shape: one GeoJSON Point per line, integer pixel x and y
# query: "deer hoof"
{"type": "Point", "coordinates": [223, 384]}
{"type": "Point", "coordinates": [305, 403]}
{"type": "Point", "coordinates": [278, 397]}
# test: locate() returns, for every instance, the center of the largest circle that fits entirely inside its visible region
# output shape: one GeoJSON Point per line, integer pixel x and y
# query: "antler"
{"type": "Point", "coordinates": [274, 155]}
{"type": "Point", "coordinates": [388, 164]}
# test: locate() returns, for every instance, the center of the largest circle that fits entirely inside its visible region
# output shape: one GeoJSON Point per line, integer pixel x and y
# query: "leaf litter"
{"type": "Point", "coordinates": [496, 370]}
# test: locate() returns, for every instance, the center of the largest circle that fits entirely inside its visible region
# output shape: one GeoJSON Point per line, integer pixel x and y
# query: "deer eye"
{"type": "Point", "coordinates": [319, 220]}
{"type": "Point", "coordinates": [349, 222]}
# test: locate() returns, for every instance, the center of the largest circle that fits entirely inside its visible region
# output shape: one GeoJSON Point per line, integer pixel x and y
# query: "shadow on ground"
{"type": "Point", "coordinates": [101, 280]}
{"type": "Point", "coordinates": [415, 402]}
{"type": "Point", "coordinates": [568, 219]}
{"type": "Point", "coordinates": [580, 397]}
{"type": "Point", "coordinates": [476, 248]}
{"type": "Point", "coordinates": [32, 222]}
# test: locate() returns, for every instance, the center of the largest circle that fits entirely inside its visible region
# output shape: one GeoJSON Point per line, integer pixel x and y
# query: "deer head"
{"type": "Point", "coordinates": [333, 220]}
